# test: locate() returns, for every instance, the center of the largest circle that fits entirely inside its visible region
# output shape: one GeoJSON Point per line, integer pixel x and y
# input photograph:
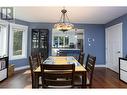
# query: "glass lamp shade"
{"type": "Point", "coordinates": [63, 26]}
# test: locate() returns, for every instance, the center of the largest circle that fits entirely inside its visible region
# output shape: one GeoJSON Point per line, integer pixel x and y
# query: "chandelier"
{"type": "Point", "coordinates": [64, 23]}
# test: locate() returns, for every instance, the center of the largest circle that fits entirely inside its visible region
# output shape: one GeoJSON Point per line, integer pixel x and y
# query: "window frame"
{"type": "Point", "coordinates": [24, 41]}
{"type": "Point", "coordinates": [5, 44]}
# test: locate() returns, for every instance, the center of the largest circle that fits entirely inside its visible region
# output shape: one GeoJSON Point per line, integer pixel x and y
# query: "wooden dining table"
{"type": "Point", "coordinates": [79, 69]}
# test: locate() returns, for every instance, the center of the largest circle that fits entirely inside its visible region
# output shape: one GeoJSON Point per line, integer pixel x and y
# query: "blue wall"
{"type": "Point", "coordinates": [36, 25]}
{"type": "Point", "coordinates": [97, 47]}
{"type": "Point", "coordinates": [95, 31]}
{"type": "Point", "coordinates": [122, 19]}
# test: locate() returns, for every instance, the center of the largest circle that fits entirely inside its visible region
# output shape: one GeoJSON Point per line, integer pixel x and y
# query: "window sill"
{"type": "Point", "coordinates": [17, 57]}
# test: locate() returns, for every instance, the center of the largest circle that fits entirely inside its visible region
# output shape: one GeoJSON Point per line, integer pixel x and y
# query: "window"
{"type": "Point", "coordinates": [61, 41]}
{"type": "Point", "coordinates": [3, 39]}
{"type": "Point", "coordinates": [55, 41]}
{"type": "Point", "coordinates": [66, 40]}
{"type": "Point", "coordinates": [18, 41]}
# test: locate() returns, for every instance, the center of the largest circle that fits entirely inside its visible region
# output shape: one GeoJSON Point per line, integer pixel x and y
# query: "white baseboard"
{"type": "Point", "coordinates": [100, 65]}
{"type": "Point", "coordinates": [21, 68]}
{"type": "Point", "coordinates": [25, 67]}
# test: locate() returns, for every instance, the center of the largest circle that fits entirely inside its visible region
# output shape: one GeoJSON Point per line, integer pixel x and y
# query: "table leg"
{"type": "Point", "coordinates": [36, 84]}
{"type": "Point", "coordinates": [33, 82]}
{"type": "Point", "coordinates": [83, 79]}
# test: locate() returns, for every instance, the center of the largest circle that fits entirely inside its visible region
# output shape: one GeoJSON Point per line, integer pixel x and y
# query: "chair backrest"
{"type": "Point", "coordinates": [90, 64]}
{"type": "Point", "coordinates": [57, 75]}
{"type": "Point", "coordinates": [33, 62]}
{"type": "Point", "coordinates": [81, 58]}
{"type": "Point", "coordinates": [40, 59]}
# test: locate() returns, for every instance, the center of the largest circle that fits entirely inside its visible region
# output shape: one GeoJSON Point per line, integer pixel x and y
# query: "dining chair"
{"type": "Point", "coordinates": [90, 65]}
{"type": "Point", "coordinates": [34, 63]}
{"type": "Point", "coordinates": [62, 75]}
{"type": "Point", "coordinates": [81, 61]}
{"type": "Point", "coordinates": [81, 58]}
{"type": "Point", "coordinates": [40, 58]}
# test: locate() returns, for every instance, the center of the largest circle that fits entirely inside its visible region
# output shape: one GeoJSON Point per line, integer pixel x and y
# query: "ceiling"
{"type": "Point", "coordinates": [91, 15]}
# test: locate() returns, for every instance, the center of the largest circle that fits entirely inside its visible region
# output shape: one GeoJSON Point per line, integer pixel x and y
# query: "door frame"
{"type": "Point", "coordinates": [106, 60]}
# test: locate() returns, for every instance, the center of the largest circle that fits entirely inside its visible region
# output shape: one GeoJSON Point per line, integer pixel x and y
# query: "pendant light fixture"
{"type": "Point", "coordinates": [64, 23]}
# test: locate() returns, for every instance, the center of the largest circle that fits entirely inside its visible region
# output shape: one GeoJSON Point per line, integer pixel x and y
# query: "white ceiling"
{"type": "Point", "coordinates": [91, 15]}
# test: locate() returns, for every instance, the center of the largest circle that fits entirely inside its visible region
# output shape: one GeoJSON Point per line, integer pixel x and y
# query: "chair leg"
{"type": "Point", "coordinates": [88, 86]}
{"type": "Point", "coordinates": [33, 83]}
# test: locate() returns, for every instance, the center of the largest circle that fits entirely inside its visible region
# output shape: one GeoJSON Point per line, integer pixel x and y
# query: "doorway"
{"type": "Point", "coordinates": [69, 40]}
{"type": "Point", "coordinates": [113, 46]}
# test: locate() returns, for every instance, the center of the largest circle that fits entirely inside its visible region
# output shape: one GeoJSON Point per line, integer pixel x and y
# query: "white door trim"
{"type": "Point", "coordinates": [106, 43]}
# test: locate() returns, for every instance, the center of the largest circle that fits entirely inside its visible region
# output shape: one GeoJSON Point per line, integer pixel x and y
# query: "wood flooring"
{"type": "Point", "coordinates": [103, 78]}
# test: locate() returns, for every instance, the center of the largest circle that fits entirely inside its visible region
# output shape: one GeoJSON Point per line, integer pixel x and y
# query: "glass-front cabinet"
{"type": "Point", "coordinates": [40, 42]}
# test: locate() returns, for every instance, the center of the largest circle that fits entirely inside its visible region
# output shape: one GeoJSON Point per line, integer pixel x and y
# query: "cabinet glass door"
{"type": "Point", "coordinates": [40, 42]}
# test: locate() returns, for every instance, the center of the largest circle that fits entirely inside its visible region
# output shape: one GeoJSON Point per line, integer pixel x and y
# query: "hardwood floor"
{"type": "Point", "coordinates": [21, 79]}
{"type": "Point", "coordinates": [103, 78]}
{"type": "Point", "coordinates": [106, 78]}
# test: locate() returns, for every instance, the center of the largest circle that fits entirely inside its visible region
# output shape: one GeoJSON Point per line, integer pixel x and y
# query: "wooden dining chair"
{"type": "Point", "coordinates": [90, 64]}
{"type": "Point", "coordinates": [78, 77]}
{"type": "Point", "coordinates": [81, 58]}
{"type": "Point", "coordinates": [62, 75]}
{"type": "Point", "coordinates": [34, 62]}
{"type": "Point", "coordinates": [40, 58]}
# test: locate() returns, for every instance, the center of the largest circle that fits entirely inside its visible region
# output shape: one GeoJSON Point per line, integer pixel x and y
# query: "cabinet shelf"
{"type": "Point", "coordinates": [123, 69]}
{"type": "Point", "coordinates": [3, 68]}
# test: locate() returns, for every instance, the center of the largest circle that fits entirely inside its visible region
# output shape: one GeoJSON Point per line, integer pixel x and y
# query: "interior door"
{"type": "Point", "coordinates": [40, 42]}
{"type": "Point", "coordinates": [113, 46]}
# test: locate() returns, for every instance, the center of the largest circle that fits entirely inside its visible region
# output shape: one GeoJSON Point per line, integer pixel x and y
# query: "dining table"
{"type": "Point", "coordinates": [61, 60]}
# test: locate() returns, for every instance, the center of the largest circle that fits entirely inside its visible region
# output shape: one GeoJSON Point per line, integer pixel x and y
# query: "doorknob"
{"type": "Point", "coordinates": [118, 52]}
